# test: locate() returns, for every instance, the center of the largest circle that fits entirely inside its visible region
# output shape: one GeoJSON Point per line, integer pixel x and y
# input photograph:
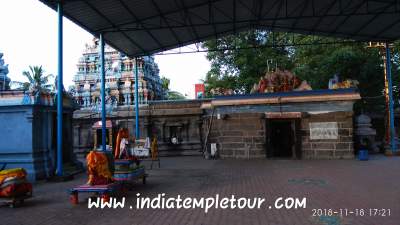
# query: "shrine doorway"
{"type": "Point", "coordinates": [283, 138]}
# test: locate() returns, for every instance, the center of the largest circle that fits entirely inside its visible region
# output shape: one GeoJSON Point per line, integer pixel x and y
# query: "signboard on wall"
{"type": "Point", "coordinates": [325, 130]}
{"type": "Point", "coordinates": [199, 90]}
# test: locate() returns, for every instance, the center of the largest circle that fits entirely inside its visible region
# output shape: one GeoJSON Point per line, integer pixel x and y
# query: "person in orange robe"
{"type": "Point", "coordinates": [98, 169]}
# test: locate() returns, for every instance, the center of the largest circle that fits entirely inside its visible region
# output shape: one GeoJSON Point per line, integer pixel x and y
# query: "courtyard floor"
{"type": "Point", "coordinates": [327, 184]}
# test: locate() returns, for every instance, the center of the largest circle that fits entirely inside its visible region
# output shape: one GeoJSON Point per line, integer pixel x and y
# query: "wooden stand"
{"type": "Point", "coordinates": [126, 174]}
{"type": "Point", "coordinates": [104, 191]}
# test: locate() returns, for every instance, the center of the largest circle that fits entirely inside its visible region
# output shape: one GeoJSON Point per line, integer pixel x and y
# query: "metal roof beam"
{"type": "Point", "coordinates": [250, 21]}
{"type": "Point", "coordinates": [190, 22]}
{"type": "Point", "coordinates": [347, 17]}
{"type": "Point", "coordinates": [343, 34]}
{"type": "Point", "coordinates": [315, 26]}
{"type": "Point", "coordinates": [162, 15]}
{"type": "Point", "coordinates": [387, 27]}
{"type": "Point", "coordinates": [270, 9]}
{"type": "Point", "coordinates": [263, 46]}
{"type": "Point", "coordinates": [251, 11]}
{"type": "Point", "coordinates": [206, 37]}
{"type": "Point", "coordinates": [211, 19]}
{"type": "Point", "coordinates": [305, 5]}
{"type": "Point", "coordinates": [372, 19]}
{"type": "Point", "coordinates": [207, 22]}
{"type": "Point", "coordinates": [223, 12]}
{"type": "Point", "coordinates": [136, 18]}
{"type": "Point", "coordinates": [260, 8]}
{"type": "Point", "coordinates": [189, 19]}
{"type": "Point", "coordinates": [156, 16]}
{"type": "Point", "coordinates": [110, 22]}
{"type": "Point", "coordinates": [277, 14]}
{"type": "Point", "coordinates": [234, 16]}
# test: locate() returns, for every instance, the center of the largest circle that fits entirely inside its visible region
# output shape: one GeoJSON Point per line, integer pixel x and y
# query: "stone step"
{"type": "Point", "coordinates": [69, 171]}
{"type": "Point", "coordinates": [171, 152]}
{"type": "Point", "coordinates": [179, 147]}
{"type": "Point", "coordinates": [164, 149]}
{"type": "Point", "coordinates": [183, 149]}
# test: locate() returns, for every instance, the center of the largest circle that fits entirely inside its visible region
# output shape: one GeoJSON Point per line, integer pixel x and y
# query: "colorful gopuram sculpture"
{"type": "Point", "coordinates": [280, 81]}
{"type": "Point", "coordinates": [120, 78]}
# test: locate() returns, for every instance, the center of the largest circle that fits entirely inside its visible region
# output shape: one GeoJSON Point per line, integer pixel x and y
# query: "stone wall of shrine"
{"type": "Point", "coordinates": [239, 135]}
{"type": "Point", "coordinates": [333, 148]}
{"type": "Point", "coordinates": [320, 125]}
{"type": "Point", "coordinates": [164, 119]}
{"type": "Point", "coordinates": [244, 135]}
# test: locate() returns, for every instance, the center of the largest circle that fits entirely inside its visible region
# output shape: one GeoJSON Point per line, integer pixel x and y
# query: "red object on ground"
{"type": "Point", "coordinates": [14, 190]}
{"type": "Point", "coordinates": [73, 198]}
{"type": "Point", "coordinates": [105, 197]}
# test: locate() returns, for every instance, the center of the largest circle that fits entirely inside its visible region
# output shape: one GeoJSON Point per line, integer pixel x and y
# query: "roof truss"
{"type": "Point", "coordinates": [143, 27]}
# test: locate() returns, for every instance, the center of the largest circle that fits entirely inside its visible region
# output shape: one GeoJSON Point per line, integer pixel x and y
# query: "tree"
{"type": "Point", "coordinates": [317, 64]}
{"type": "Point", "coordinates": [170, 95]}
{"type": "Point", "coordinates": [165, 83]}
{"type": "Point", "coordinates": [37, 81]}
{"type": "Point", "coordinates": [241, 63]}
{"type": "Point", "coordinates": [174, 95]}
{"type": "Point", "coordinates": [244, 59]}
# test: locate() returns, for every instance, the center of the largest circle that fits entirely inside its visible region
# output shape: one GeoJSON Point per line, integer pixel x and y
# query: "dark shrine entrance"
{"type": "Point", "coordinates": [283, 138]}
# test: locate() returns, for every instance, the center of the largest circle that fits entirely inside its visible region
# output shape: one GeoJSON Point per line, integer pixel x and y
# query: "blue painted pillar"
{"type": "Point", "coordinates": [137, 132]}
{"type": "Point", "coordinates": [390, 90]}
{"type": "Point", "coordinates": [103, 95]}
{"type": "Point", "coordinates": [60, 88]}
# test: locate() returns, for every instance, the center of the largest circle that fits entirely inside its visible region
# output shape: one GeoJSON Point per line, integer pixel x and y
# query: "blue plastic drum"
{"type": "Point", "coordinates": [363, 155]}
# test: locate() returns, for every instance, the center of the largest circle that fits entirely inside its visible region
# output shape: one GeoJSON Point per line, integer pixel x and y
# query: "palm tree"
{"type": "Point", "coordinates": [165, 83]}
{"type": "Point", "coordinates": [37, 81]}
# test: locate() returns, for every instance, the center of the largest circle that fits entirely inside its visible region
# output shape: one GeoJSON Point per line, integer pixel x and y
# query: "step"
{"type": "Point", "coordinates": [180, 153]}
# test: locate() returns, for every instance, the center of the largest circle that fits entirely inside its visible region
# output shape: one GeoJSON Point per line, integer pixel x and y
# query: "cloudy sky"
{"type": "Point", "coordinates": [28, 36]}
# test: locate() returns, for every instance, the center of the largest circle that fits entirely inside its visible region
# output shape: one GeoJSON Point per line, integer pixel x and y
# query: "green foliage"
{"type": "Point", "coordinates": [247, 54]}
{"type": "Point", "coordinates": [241, 65]}
{"type": "Point", "coordinates": [174, 95]}
{"type": "Point", "coordinates": [37, 80]}
{"type": "Point", "coordinates": [317, 64]}
{"type": "Point", "coordinates": [165, 83]}
{"type": "Point", "coordinates": [171, 95]}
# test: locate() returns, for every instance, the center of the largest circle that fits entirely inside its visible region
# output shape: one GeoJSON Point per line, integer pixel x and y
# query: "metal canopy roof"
{"type": "Point", "coordinates": [143, 27]}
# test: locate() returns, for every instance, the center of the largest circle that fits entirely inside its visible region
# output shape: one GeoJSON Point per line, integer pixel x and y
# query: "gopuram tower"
{"type": "Point", "coordinates": [4, 79]}
{"type": "Point", "coordinates": [120, 79]}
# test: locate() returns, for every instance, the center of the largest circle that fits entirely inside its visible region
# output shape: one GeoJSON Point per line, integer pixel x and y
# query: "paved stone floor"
{"type": "Point", "coordinates": [327, 184]}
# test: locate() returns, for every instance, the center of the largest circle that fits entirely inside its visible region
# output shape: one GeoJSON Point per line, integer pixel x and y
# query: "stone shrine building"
{"type": "Point", "coordinates": [315, 124]}
{"type": "Point", "coordinates": [120, 78]}
{"type": "Point", "coordinates": [297, 123]}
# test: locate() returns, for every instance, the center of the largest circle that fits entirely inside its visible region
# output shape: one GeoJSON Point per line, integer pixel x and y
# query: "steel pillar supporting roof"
{"type": "Point", "coordinates": [143, 27]}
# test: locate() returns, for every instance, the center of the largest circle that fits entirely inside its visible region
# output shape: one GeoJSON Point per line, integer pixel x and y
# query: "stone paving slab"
{"type": "Point", "coordinates": [327, 184]}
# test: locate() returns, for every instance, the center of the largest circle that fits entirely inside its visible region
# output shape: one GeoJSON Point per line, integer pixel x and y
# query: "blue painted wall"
{"type": "Point", "coordinates": [27, 138]}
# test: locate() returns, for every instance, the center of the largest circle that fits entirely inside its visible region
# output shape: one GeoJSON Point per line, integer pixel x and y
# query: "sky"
{"type": "Point", "coordinates": [28, 36]}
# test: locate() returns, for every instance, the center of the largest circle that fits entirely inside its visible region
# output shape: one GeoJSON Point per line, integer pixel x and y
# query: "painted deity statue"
{"type": "Point", "coordinates": [279, 81]}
